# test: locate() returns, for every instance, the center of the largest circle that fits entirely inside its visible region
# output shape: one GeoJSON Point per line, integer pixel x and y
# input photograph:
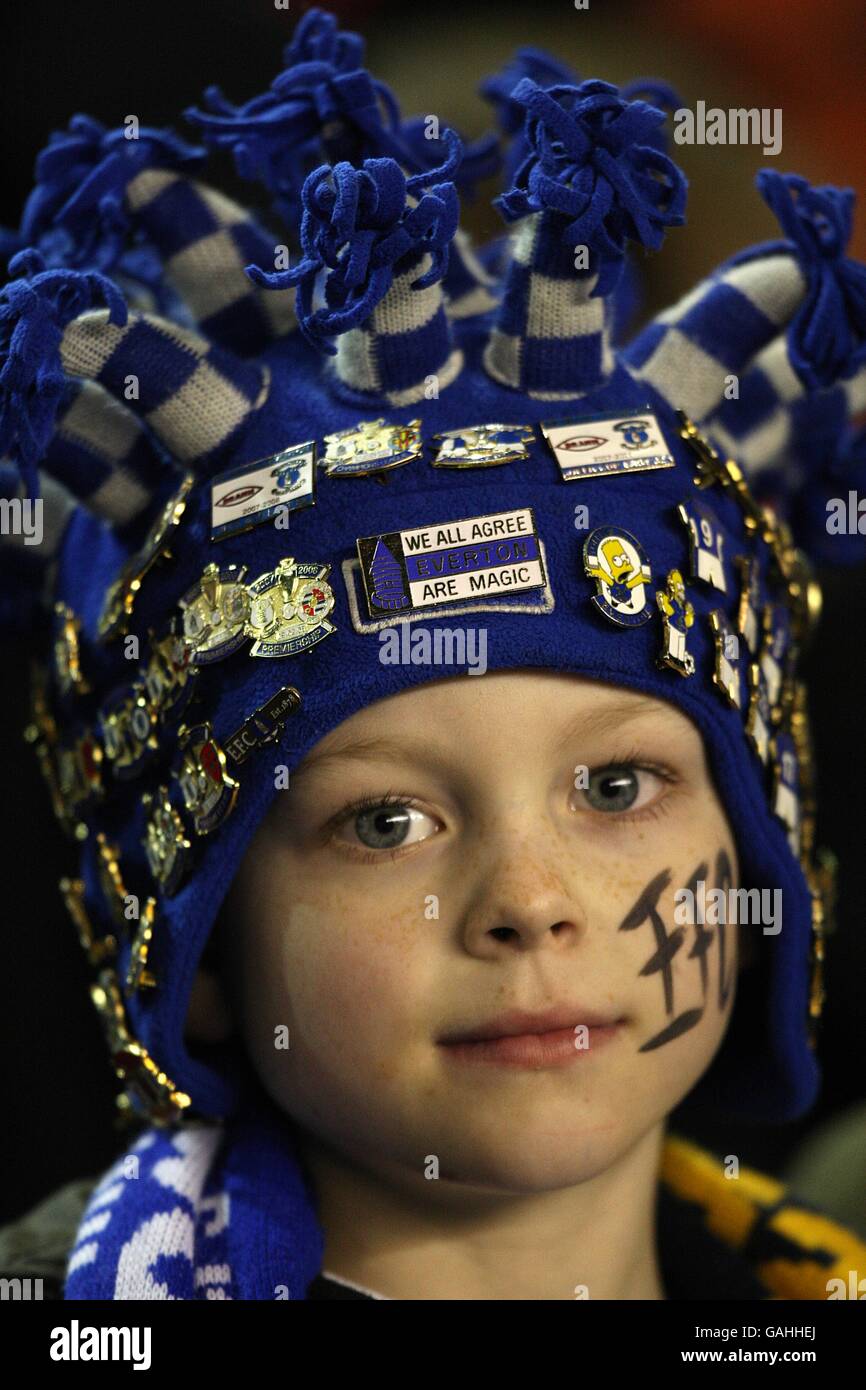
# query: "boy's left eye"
{"type": "Point", "coordinates": [617, 788]}
{"type": "Point", "coordinates": [386, 825]}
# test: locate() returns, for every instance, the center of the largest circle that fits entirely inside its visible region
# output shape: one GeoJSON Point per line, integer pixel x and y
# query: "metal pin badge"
{"type": "Point", "coordinates": [483, 446]}
{"type": "Point", "coordinates": [209, 793]}
{"type": "Point", "coordinates": [165, 844]}
{"type": "Point", "coordinates": [371, 447]}
{"type": "Point", "coordinates": [214, 612]}
{"type": "Point", "coordinates": [678, 615]}
{"type": "Point", "coordinates": [618, 563]}
{"type": "Point", "coordinates": [288, 609]}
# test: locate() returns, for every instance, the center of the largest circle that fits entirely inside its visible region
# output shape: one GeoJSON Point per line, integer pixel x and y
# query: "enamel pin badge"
{"type": "Point", "coordinates": [214, 612]}
{"type": "Point", "coordinates": [678, 615]}
{"type": "Point", "coordinates": [599, 446]}
{"type": "Point", "coordinates": [67, 651]}
{"type": "Point", "coordinates": [776, 652]}
{"type": "Point", "coordinates": [209, 793]}
{"type": "Point", "coordinates": [786, 785]}
{"type": "Point", "coordinates": [483, 446]}
{"type": "Point", "coordinates": [246, 497]}
{"type": "Point", "coordinates": [748, 612]}
{"type": "Point", "coordinates": [618, 563]}
{"type": "Point", "coordinates": [289, 607]}
{"type": "Point", "coordinates": [727, 675]}
{"type": "Point", "coordinates": [371, 447]}
{"type": "Point", "coordinates": [128, 728]}
{"type": "Point", "coordinates": [165, 843]}
{"type": "Point", "coordinates": [120, 598]}
{"type": "Point", "coordinates": [407, 571]}
{"type": "Point", "coordinates": [169, 677]}
{"type": "Point", "coordinates": [265, 726]}
{"type": "Point", "coordinates": [759, 715]}
{"type": "Point", "coordinates": [706, 543]}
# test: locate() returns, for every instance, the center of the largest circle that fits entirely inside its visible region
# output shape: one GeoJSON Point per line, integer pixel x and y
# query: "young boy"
{"type": "Point", "coordinates": [480, 930]}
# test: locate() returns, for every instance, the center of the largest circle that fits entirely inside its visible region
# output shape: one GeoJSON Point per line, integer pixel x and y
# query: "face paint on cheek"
{"type": "Point", "coordinates": [667, 944]}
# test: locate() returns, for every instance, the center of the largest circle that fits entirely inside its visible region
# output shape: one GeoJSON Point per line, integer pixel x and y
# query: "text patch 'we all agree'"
{"type": "Point", "coordinates": [407, 571]}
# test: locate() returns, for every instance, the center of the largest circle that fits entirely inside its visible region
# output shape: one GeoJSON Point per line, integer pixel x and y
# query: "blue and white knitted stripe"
{"type": "Point", "coordinates": [551, 332]}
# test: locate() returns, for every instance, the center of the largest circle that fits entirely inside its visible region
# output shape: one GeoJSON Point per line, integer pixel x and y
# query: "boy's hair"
{"type": "Point", "coordinates": [487, 449]}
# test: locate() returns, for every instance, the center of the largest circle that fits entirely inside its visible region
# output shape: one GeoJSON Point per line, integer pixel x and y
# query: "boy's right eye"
{"type": "Point", "coordinates": [384, 824]}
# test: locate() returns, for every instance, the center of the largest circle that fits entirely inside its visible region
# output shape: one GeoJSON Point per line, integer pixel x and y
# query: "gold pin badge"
{"type": "Point", "coordinates": [209, 793]}
{"type": "Point", "coordinates": [483, 446]}
{"type": "Point", "coordinates": [370, 447]}
{"type": "Point", "coordinates": [748, 612]}
{"type": "Point", "coordinates": [727, 675]}
{"type": "Point", "coordinates": [145, 1081]}
{"type": "Point", "coordinates": [121, 595]}
{"type": "Point", "coordinates": [759, 717]}
{"type": "Point", "coordinates": [214, 613]}
{"type": "Point", "coordinates": [166, 846]}
{"type": "Point", "coordinates": [114, 891]}
{"type": "Point", "coordinates": [289, 607]}
{"type": "Point", "coordinates": [67, 651]}
{"type": "Point", "coordinates": [97, 948]}
{"type": "Point", "coordinates": [678, 615]}
{"type": "Point", "coordinates": [138, 973]}
{"type": "Point", "coordinates": [128, 727]}
{"type": "Point", "coordinates": [169, 676]}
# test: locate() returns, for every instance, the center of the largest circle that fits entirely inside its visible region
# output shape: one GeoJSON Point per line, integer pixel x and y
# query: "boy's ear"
{"type": "Point", "coordinates": [208, 1018]}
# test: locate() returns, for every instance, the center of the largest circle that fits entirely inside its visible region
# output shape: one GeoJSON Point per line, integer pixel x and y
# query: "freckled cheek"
{"type": "Point", "coordinates": [351, 980]}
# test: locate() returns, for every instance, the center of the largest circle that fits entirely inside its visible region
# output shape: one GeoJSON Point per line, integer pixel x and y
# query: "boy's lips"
{"type": "Point", "coordinates": [533, 1041]}
{"type": "Point", "coordinates": [518, 1023]}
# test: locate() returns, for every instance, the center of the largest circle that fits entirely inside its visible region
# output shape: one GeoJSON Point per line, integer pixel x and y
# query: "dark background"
{"type": "Point", "coordinates": [153, 59]}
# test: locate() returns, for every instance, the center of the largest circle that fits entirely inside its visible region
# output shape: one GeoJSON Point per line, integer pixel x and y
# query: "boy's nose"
{"type": "Point", "coordinates": [523, 904]}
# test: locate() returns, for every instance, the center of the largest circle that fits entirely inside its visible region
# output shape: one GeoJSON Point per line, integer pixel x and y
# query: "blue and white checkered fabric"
{"type": "Point", "coordinates": [551, 333]}
{"type": "Point", "coordinates": [206, 240]}
{"type": "Point", "coordinates": [195, 397]}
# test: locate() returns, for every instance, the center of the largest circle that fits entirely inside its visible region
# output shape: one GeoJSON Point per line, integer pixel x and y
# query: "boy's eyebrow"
{"type": "Point", "coordinates": [592, 724]}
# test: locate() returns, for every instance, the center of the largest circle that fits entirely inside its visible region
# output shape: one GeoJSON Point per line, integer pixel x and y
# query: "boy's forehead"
{"type": "Point", "coordinates": [532, 705]}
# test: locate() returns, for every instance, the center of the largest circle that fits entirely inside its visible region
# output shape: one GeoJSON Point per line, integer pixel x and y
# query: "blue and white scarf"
{"type": "Point", "coordinates": [203, 1211]}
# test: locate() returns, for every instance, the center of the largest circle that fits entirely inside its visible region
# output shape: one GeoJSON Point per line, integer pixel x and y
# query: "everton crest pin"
{"type": "Point", "coordinates": [598, 446]}
{"type": "Point", "coordinates": [246, 497]}
{"type": "Point", "coordinates": [619, 565]}
{"type": "Point", "coordinates": [371, 447]}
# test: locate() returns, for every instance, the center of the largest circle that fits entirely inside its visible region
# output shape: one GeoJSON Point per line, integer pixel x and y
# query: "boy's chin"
{"type": "Point", "coordinates": [538, 1163]}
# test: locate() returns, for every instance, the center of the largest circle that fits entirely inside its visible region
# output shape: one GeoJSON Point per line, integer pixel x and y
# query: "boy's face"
{"type": "Point", "coordinates": [539, 828]}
